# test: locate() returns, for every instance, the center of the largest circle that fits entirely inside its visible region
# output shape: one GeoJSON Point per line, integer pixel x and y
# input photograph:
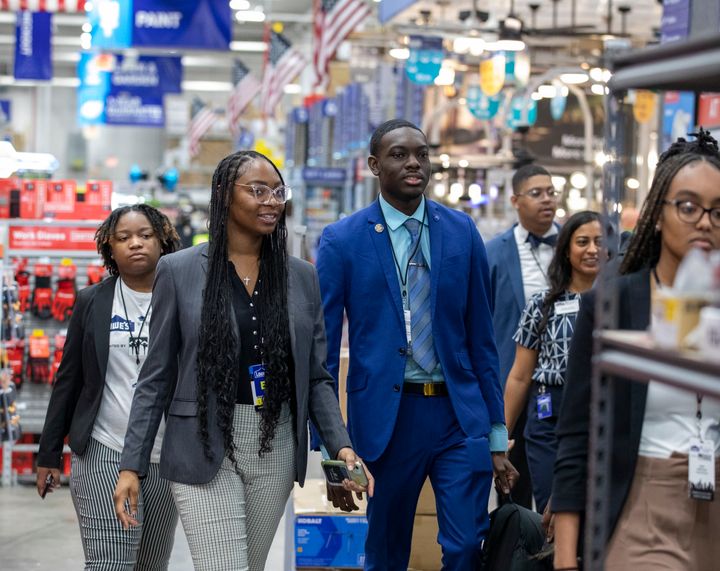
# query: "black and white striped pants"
{"type": "Point", "coordinates": [107, 546]}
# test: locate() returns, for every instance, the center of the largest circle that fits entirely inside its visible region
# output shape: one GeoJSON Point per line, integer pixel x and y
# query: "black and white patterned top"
{"type": "Point", "coordinates": [554, 344]}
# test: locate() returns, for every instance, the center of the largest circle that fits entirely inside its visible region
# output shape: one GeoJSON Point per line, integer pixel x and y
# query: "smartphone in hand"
{"type": "Point", "coordinates": [48, 484]}
{"type": "Point", "coordinates": [336, 472]}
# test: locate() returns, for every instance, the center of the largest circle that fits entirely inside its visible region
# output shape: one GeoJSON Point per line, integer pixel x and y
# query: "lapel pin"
{"type": "Point", "coordinates": [379, 228]}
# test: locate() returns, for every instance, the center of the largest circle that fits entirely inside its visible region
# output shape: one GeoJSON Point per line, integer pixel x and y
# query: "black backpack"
{"type": "Point", "coordinates": [515, 539]}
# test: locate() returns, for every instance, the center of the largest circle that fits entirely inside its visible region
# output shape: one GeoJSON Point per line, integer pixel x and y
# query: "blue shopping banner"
{"type": "Point", "coordinates": [514, 116]}
{"type": "Point", "coordinates": [4, 111]}
{"type": "Point", "coordinates": [118, 90]}
{"type": "Point", "coordinates": [482, 106]}
{"type": "Point", "coordinates": [33, 52]}
{"type": "Point", "coordinates": [425, 60]}
{"type": "Point", "coordinates": [201, 24]}
{"type": "Point", "coordinates": [390, 8]}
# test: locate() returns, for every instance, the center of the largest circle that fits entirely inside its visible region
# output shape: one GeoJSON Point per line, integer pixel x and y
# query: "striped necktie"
{"type": "Point", "coordinates": [418, 283]}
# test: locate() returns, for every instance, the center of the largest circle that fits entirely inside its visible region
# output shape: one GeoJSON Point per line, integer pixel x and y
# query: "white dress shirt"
{"type": "Point", "coordinates": [534, 264]}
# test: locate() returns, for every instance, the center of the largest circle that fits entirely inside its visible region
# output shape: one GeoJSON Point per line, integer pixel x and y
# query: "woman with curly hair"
{"type": "Point", "coordinates": [653, 520]}
{"type": "Point", "coordinates": [237, 360]}
{"type": "Point", "coordinates": [106, 346]}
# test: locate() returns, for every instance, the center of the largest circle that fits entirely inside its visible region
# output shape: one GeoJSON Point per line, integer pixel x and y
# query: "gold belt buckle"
{"type": "Point", "coordinates": [430, 389]}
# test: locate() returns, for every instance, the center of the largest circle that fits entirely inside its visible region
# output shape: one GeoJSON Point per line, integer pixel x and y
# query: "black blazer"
{"type": "Point", "coordinates": [569, 485]}
{"type": "Point", "coordinates": [80, 379]}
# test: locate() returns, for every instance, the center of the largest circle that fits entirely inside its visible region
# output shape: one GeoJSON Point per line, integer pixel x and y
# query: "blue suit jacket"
{"type": "Point", "coordinates": [357, 274]}
{"type": "Point", "coordinates": [508, 297]}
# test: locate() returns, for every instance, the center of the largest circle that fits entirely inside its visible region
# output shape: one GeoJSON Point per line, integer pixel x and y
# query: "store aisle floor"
{"type": "Point", "coordinates": [45, 535]}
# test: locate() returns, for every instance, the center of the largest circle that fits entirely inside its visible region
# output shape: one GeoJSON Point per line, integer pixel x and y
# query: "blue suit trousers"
{"type": "Point", "coordinates": [427, 441]}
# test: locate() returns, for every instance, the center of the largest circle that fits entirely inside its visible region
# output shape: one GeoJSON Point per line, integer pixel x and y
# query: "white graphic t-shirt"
{"type": "Point", "coordinates": [129, 336]}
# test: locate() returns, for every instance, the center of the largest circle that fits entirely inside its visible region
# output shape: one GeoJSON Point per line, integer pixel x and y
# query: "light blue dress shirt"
{"type": "Point", "coordinates": [401, 240]}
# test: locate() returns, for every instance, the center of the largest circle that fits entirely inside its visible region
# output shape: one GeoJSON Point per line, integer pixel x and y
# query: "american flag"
{"type": "Point", "coordinates": [282, 64]}
{"type": "Point", "coordinates": [245, 88]}
{"type": "Point", "coordinates": [43, 5]}
{"type": "Point", "coordinates": [202, 117]}
{"type": "Point", "coordinates": [333, 22]}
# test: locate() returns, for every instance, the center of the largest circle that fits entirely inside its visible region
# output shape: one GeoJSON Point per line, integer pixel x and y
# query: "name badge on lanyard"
{"type": "Point", "coordinates": [701, 470]}
{"type": "Point", "coordinates": [543, 402]}
{"type": "Point", "coordinates": [257, 384]}
{"type": "Point", "coordinates": [569, 306]}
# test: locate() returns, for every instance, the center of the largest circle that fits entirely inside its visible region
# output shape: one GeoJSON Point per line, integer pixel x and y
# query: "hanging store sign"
{"type": "Point", "coordinates": [390, 8]}
{"type": "Point", "coordinates": [517, 67]}
{"type": "Point", "coordinates": [678, 115]}
{"type": "Point", "coordinates": [4, 111]}
{"type": "Point", "coordinates": [425, 60]}
{"type": "Point", "coordinates": [51, 238]}
{"type": "Point", "coordinates": [558, 104]}
{"type": "Point", "coordinates": [644, 106]}
{"type": "Point", "coordinates": [118, 90]}
{"type": "Point", "coordinates": [675, 23]}
{"type": "Point", "coordinates": [709, 110]}
{"type": "Point", "coordinates": [480, 105]}
{"type": "Point", "coordinates": [514, 118]}
{"type": "Point", "coordinates": [492, 74]}
{"type": "Point", "coordinates": [201, 24]}
{"type": "Point", "coordinates": [33, 52]}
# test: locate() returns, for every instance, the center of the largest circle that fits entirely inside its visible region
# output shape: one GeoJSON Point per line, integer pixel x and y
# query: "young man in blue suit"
{"type": "Point", "coordinates": [424, 398]}
{"type": "Point", "coordinates": [519, 260]}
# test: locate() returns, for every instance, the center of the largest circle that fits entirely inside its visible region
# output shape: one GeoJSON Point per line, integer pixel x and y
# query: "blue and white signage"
{"type": "Point", "coordinates": [557, 105]}
{"type": "Point", "coordinates": [33, 52]}
{"type": "Point", "coordinates": [514, 117]}
{"type": "Point", "coordinates": [4, 111]}
{"type": "Point", "coordinates": [118, 90]}
{"type": "Point", "coordinates": [323, 175]}
{"type": "Point", "coordinates": [202, 24]}
{"type": "Point", "coordinates": [425, 60]}
{"type": "Point", "coordinates": [391, 8]}
{"type": "Point", "coordinates": [482, 106]}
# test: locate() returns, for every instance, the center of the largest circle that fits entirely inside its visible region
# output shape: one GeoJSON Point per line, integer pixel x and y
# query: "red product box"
{"type": "Point", "coordinates": [60, 199]}
{"type": "Point", "coordinates": [32, 199]}
{"type": "Point", "coordinates": [6, 186]}
{"type": "Point", "coordinates": [95, 202]}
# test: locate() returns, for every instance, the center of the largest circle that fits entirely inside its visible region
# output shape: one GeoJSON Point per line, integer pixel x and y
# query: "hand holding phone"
{"type": "Point", "coordinates": [48, 484]}
{"type": "Point", "coordinates": [336, 473]}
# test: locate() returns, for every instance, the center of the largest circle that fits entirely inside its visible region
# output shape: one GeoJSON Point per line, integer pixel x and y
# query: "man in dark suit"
{"type": "Point", "coordinates": [519, 260]}
{"type": "Point", "coordinates": [424, 399]}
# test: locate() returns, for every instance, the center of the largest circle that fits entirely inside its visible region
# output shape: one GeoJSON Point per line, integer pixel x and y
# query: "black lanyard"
{"type": "Point", "coordinates": [403, 277]}
{"type": "Point", "coordinates": [134, 341]}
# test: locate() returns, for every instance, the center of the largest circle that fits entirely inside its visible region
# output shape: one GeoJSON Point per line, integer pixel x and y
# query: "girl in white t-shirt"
{"type": "Point", "coordinates": [106, 343]}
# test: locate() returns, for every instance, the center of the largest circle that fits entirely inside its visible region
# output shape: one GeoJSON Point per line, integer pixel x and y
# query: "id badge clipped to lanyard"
{"type": "Point", "coordinates": [543, 402]}
{"type": "Point", "coordinates": [257, 384]}
{"type": "Point", "coordinates": [701, 464]}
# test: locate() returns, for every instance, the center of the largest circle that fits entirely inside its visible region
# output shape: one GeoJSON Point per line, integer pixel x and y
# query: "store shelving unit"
{"type": "Point", "coordinates": [692, 65]}
{"type": "Point", "coordinates": [32, 399]}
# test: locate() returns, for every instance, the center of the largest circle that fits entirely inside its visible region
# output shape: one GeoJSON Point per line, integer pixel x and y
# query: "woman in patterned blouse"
{"type": "Point", "coordinates": [543, 339]}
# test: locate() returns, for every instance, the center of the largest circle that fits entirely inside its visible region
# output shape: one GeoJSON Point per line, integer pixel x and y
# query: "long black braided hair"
{"type": "Point", "coordinates": [161, 225]}
{"type": "Point", "coordinates": [560, 270]}
{"type": "Point", "coordinates": [218, 371]}
{"type": "Point", "coordinates": [644, 248]}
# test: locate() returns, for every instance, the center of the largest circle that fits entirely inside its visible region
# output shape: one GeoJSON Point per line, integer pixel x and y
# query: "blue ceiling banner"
{"type": "Point", "coordinates": [514, 117]}
{"type": "Point", "coordinates": [33, 52]}
{"type": "Point", "coordinates": [391, 8]}
{"type": "Point", "coordinates": [5, 116]}
{"type": "Point", "coordinates": [425, 60]}
{"type": "Point", "coordinates": [558, 104]}
{"type": "Point", "coordinates": [200, 24]}
{"type": "Point", "coordinates": [118, 90]}
{"type": "Point", "coordinates": [482, 106]}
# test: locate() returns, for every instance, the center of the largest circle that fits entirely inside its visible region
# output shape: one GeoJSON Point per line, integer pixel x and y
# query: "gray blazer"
{"type": "Point", "coordinates": [168, 379]}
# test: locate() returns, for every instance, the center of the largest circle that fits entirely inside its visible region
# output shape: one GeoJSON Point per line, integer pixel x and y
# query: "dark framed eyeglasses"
{"type": "Point", "coordinates": [264, 194]}
{"type": "Point", "coordinates": [691, 212]}
{"type": "Point", "coordinates": [536, 193]}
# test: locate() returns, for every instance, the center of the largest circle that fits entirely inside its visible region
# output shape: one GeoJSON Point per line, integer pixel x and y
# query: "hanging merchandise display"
{"type": "Point", "coordinates": [65, 293]}
{"type": "Point", "coordinates": [482, 106]}
{"type": "Point", "coordinates": [41, 305]}
{"type": "Point", "coordinates": [492, 74]}
{"type": "Point", "coordinates": [38, 363]}
{"type": "Point", "coordinates": [425, 59]}
{"type": "Point", "coordinates": [9, 418]}
{"type": "Point", "coordinates": [22, 277]}
{"type": "Point", "coordinates": [57, 354]}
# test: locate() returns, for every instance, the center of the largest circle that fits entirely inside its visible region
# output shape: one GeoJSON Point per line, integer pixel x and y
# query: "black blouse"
{"type": "Point", "coordinates": [249, 328]}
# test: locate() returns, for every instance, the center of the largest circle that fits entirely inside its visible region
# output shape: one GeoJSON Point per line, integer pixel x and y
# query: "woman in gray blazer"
{"type": "Point", "coordinates": [237, 362]}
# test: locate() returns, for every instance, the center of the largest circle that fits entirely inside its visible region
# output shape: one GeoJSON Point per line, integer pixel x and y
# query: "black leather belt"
{"type": "Point", "coordinates": [426, 389]}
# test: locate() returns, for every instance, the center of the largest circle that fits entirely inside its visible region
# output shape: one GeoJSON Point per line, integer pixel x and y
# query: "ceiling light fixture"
{"type": "Point", "coordinates": [250, 16]}
{"type": "Point", "coordinates": [574, 78]}
{"type": "Point", "coordinates": [399, 53]}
